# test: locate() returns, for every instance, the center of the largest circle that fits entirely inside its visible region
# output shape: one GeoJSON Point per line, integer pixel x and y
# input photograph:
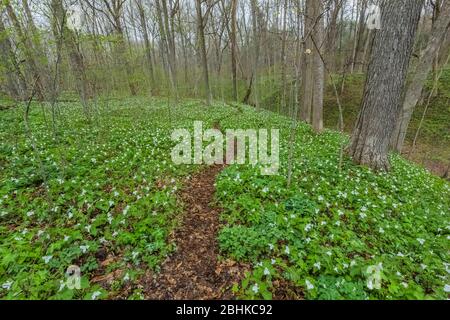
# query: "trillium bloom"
{"type": "Point", "coordinates": [47, 259]}
{"type": "Point", "coordinates": [309, 285]}
{"type": "Point", "coordinates": [287, 250]}
{"type": "Point", "coordinates": [266, 272]}
{"type": "Point", "coordinates": [84, 249]}
{"type": "Point", "coordinates": [95, 295]}
{"type": "Point", "coordinates": [255, 288]}
{"type": "Point", "coordinates": [7, 285]}
{"type": "Point", "coordinates": [421, 241]}
{"type": "Point", "coordinates": [447, 288]}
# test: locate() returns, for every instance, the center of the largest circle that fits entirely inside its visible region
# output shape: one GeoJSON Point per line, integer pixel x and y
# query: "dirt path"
{"type": "Point", "coordinates": [193, 271]}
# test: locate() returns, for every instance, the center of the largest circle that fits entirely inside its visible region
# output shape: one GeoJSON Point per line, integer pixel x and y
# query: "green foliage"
{"type": "Point", "coordinates": [323, 232]}
{"type": "Point", "coordinates": [106, 201]}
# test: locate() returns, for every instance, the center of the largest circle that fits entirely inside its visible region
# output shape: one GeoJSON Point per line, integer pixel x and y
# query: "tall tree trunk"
{"type": "Point", "coordinates": [27, 46]}
{"type": "Point", "coordinates": [386, 78]}
{"type": "Point", "coordinates": [202, 49]}
{"type": "Point", "coordinates": [283, 58]}
{"type": "Point", "coordinates": [148, 48]}
{"type": "Point", "coordinates": [256, 22]}
{"type": "Point", "coordinates": [165, 46]}
{"type": "Point", "coordinates": [16, 85]}
{"type": "Point", "coordinates": [424, 66]}
{"type": "Point", "coordinates": [234, 48]}
{"type": "Point", "coordinates": [313, 76]}
{"type": "Point", "coordinates": [76, 59]}
{"type": "Point", "coordinates": [332, 35]}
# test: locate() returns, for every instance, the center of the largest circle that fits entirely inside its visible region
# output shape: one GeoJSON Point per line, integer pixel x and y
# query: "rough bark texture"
{"type": "Point", "coordinates": [424, 66]}
{"type": "Point", "coordinates": [391, 53]}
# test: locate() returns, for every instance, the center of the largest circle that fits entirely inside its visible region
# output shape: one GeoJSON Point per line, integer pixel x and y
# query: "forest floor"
{"type": "Point", "coordinates": [107, 197]}
{"type": "Point", "coordinates": [194, 272]}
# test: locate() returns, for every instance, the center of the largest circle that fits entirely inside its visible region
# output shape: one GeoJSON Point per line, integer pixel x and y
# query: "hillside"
{"type": "Point", "coordinates": [107, 196]}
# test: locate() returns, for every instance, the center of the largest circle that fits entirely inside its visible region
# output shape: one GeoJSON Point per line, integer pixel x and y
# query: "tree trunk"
{"type": "Point", "coordinates": [202, 49]}
{"type": "Point", "coordinates": [16, 85]}
{"type": "Point", "coordinates": [283, 58]}
{"type": "Point", "coordinates": [148, 48]}
{"type": "Point", "coordinates": [256, 17]}
{"type": "Point", "coordinates": [76, 59]}
{"type": "Point", "coordinates": [313, 75]}
{"type": "Point", "coordinates": [234, 48]}
{"type": "Point", "coordinates": [27, 46]}
{"type": "Point", "coordinates": [390, 57]}
{"type": "Point", "coordinates": [424, 66]}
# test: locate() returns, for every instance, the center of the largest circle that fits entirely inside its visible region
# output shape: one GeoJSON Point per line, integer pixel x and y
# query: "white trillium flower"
{"type": "Point", "coordinates": [255, 288]}
{"type": "Point", "coordinates": [95, 295]}
{"type": "Point", "coordinates": [7, 285]}
{"type": "Point", "coordinates": [287, 250]}
{"type": "Point", "coordinates": [84, 249]}
{"type": "Point", "coordinates": [309, 285]}
{"type": "Point", "coordinates": [47, 259]}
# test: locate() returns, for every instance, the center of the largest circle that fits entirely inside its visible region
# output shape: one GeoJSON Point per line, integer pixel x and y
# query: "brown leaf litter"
{"type": "Point", "coordinates": [194, 272]}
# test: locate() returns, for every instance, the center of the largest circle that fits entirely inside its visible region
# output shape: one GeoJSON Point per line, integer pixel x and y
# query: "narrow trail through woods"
{"type": "Point", "coordinates": [193, 271]}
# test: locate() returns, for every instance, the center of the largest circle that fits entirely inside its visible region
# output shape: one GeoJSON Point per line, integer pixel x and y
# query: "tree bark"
{"type": "Point", "coordinates": [27, 46]}
{"type": "Point", "coordinates": [234, 48]}
{"type": "Point", "coordinates": [424, 66]}
{"type": "Point", "coordinates": [390, 57]}
{"type": "Point", "coordinates": [314, 69]}
{"type": "Point", "coordinates": [16, 84]}
{"type": "Point", "coordinates": [202, 49]}
{"type": "Point", "coordinates": [148, 48]}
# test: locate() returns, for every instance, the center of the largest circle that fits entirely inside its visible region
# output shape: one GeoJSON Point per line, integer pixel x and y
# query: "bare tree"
{"type": "Point", "coordinates": [202, 49]}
